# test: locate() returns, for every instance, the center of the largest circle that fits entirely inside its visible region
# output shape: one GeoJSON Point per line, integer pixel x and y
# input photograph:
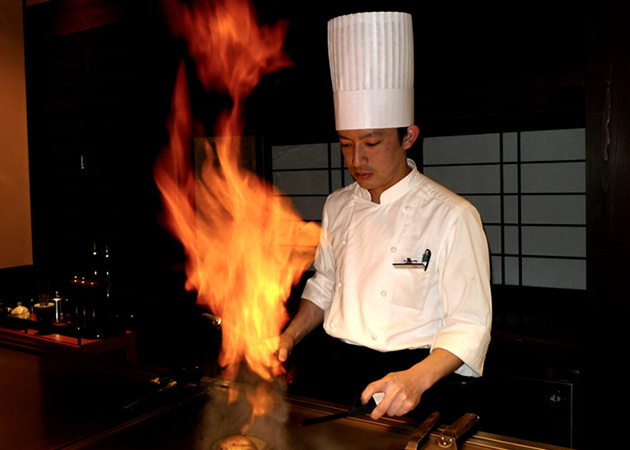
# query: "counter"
{"type": "Point", "coordinates": [59, 400]}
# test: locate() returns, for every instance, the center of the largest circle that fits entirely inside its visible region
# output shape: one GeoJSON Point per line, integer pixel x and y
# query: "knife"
{"type": "Point", "coordinates": [356, 411]}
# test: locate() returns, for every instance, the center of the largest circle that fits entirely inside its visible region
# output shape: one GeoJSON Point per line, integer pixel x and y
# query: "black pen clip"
{"type": "Point", "coordinates": [426, 258]}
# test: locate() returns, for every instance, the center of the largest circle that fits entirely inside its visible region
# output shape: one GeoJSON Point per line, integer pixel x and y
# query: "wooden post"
{"type": "Point", "coordinates": [608, 208]}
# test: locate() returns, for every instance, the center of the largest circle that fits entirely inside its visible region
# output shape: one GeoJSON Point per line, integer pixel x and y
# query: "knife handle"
{"type": "Point", "coordinates": [356, 411]}
{"type": "Point", "coordinates": [363, 409]}
{"type": "Point", "coordinates": [454, 431]}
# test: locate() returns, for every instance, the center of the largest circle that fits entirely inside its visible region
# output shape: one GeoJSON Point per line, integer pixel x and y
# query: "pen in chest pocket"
{"type": "Point", "coordinates": [411, 263]}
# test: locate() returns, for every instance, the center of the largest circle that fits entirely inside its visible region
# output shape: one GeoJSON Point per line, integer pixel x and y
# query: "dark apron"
{"type": "Point", "coordinates": [328, 369]}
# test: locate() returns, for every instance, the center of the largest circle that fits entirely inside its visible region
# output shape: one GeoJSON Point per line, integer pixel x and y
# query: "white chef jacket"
{"type": "Point", "coordinates": [369, 302]}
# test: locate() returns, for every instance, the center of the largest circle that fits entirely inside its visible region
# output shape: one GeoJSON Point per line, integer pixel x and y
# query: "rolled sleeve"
{"type": "Point", "coordinates": [469, 342]}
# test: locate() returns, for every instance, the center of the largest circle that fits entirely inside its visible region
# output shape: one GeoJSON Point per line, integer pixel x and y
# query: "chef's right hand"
{"type": "Point", "coordinates": [307, 318]}
{"type": "Point", "coordinates": [285, 346]}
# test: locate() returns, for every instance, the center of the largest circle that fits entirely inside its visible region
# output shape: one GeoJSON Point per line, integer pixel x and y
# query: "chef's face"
{"type": "Point", "coordinates": [377, 159]}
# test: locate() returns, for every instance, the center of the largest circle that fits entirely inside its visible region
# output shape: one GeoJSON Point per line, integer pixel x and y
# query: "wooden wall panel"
{"type": "Point", "coordinates": [15, 209]}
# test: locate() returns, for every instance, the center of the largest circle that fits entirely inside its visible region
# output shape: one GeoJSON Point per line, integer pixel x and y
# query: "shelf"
{"type": "Point", "coordinates": [125, 341]}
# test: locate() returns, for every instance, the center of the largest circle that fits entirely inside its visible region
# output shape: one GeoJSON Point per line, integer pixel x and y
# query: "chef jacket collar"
{"type": "Point", "coordinates": [396, 191]}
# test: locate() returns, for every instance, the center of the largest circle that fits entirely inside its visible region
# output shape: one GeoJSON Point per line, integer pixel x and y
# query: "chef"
{"type": "Point", "coordinates": [402, 270]}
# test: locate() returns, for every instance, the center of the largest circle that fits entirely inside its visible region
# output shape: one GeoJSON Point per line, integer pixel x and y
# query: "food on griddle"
{"type": "Point", "coordinates": [239, 442]}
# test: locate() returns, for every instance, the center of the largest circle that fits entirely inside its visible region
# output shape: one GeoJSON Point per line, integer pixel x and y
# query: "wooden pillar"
{"type": "Point", "coordinates": [608, 210]}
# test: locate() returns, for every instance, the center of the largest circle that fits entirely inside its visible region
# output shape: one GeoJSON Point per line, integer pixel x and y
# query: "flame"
{"type": "Point", "coordinates": [245, 244]}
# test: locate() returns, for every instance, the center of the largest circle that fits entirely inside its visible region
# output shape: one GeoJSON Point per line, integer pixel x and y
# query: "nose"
{"type": "Point", "coordinates": [359, 155]}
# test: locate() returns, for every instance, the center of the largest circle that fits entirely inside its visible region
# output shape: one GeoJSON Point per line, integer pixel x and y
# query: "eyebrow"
{"type": "Point", "coordinates": [374, 133]}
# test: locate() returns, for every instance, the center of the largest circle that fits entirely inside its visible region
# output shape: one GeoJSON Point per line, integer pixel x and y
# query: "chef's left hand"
{"type": "Point", "coordinates": [403, 391]}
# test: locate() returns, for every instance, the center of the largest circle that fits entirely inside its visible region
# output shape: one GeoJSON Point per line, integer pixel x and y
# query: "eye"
{"type": "Point", "coordinates": [372, 144]}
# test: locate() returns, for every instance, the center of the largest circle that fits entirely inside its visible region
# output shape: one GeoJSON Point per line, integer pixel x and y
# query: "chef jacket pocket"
{"type": "Point", "coordinates": [412, 287]}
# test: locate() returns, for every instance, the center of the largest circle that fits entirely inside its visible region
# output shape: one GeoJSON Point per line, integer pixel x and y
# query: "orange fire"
{"type": "Point", "coordinates": [245, 245]}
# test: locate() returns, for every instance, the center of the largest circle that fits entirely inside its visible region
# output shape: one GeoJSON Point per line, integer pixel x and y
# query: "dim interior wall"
{"type": "Point", "coordinates": [15, 212]}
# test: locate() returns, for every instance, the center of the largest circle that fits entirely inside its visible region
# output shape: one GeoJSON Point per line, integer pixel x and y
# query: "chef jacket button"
{"type": "Point", "coordinates": [374, 336]}
{"type": "Point", "coordinates": [343, 242]}
{"type": "Point", "coordinates": [393, 249]}
{"type": "Point", "coordinates": [407, 208]}
{"type": "Point", "coordinates": [339, 284]}
{"type": "Point", "coordinates": [383, 293]}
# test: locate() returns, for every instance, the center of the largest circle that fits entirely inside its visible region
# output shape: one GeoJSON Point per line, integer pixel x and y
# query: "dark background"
{"type": "Point", "coordinates": [100, 76]}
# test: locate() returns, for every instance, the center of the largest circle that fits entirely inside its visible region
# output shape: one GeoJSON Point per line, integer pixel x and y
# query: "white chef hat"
{"type": "Point", "coordinates": [371, 66]}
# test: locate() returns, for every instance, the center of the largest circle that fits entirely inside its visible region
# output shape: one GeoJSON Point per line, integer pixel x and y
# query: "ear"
{"type": "Point", "coordinates": [412, 134]}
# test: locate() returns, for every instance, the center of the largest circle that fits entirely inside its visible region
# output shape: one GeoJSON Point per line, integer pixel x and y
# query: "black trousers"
{"type": "Point", "coordinates": [328, 369]}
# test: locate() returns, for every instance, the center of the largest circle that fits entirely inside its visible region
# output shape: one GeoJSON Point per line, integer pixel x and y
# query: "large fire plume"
{"type": "Point", "coordinates": [245, 245]}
